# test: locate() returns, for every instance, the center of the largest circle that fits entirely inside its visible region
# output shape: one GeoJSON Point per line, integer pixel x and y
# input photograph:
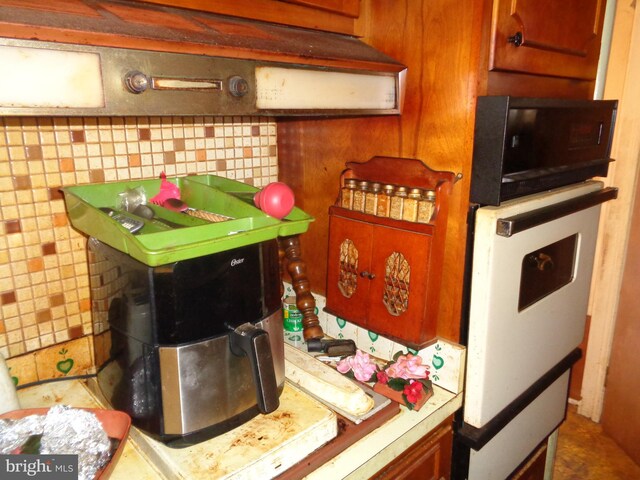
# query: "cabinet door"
{"type": "Point", "coordinates": [548, 37]}
{"type": "Point", "coordinates": [329, 15]}
{"type": "Point", "coordinates": [400, 272]}
{"type": "Point", "coordinates": [348, 269]}
{"type": "Point", "coordinates": [534, 468]}
{"type": "Point", "coordinates": [349, 8]}
{"type": "Point", "coordinates": [428, 459]}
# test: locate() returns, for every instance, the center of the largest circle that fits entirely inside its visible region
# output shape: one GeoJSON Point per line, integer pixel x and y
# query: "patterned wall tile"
{"type": "Point", "coordinates": [23, 369]}
{"type": "Point", "coordinates": [44, 286]}
{"type": "Point", "coordinates": [66, 359]}
{"type": "Point", "coordinates": [446, 360]}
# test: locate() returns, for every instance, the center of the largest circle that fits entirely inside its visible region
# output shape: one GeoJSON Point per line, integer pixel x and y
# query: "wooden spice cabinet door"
{"type": "Point", "coordinates": [378, 278]}
{"type": "Point", "coordinates": [400, 264]}
{"type": "Point", "coordinates": [349, 257]}
{"type": "Point", "coordinates": [548, 37]}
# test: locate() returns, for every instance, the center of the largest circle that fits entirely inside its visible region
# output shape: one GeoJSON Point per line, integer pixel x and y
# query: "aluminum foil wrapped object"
{"type": "Point", "coordinates": [15, 433]}
{"type": "Point", "coordinates": [64, 430]}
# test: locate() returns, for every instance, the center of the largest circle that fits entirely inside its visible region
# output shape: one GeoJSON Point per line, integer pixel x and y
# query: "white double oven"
{"type": "Point", "coordinates": [532, 238]}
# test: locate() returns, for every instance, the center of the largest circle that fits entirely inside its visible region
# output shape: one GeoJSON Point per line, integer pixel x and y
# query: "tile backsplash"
{"type": "Point", "coordinates": [44, 286]}
{"type": "Point", "coordinates": [445, 360]}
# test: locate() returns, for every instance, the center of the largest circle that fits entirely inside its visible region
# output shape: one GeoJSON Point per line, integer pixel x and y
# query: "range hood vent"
{"type": "Point", "coordinates": [112, 58]}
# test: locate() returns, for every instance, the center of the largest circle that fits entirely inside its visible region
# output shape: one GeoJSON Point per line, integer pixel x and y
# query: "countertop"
{"type": "Point", "coordinates": [360, 460]}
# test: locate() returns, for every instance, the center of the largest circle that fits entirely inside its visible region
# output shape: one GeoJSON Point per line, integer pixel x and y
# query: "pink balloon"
{"type": "Point", "coordinates": [276, 199]}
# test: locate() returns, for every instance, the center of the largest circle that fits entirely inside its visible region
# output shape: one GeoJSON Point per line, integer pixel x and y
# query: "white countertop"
{"type": "Point", "coordinates": [132, 464]}
{"type": "Point", "coordinates": [360, 460]}
{"type": "Point", "coordinates": [370, 454]}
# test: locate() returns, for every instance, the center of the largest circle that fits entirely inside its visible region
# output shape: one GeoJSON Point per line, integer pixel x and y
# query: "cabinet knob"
{"type": "Point", "coordinates": [365, 274]}
{"type": "Point", "coordinates": [517, 39]}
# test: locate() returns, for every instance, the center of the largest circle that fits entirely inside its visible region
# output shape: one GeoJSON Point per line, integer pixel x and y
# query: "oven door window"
{"type": "Point", "coordinates": [546, 270]}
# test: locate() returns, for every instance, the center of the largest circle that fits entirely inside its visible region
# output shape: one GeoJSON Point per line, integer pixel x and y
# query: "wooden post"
{"type": "Point", "coordinates": [304, 299]}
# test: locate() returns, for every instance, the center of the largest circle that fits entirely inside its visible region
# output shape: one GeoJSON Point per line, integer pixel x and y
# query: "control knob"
{"type": "Point", "coordinates": [136, 82]}
{"type": "Point", "coordinates": [238, 86]}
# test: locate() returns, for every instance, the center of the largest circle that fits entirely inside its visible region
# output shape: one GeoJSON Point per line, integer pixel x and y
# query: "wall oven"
{"type": "Point", "coordinates": [533, 226]}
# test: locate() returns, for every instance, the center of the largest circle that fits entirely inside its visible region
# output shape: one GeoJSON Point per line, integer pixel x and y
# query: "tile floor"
{"type": "Point", "coordinates": [586, 453]}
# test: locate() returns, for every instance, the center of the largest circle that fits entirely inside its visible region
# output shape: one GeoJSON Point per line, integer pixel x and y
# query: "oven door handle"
{"type": "Point", "coordinates": [506, 227]}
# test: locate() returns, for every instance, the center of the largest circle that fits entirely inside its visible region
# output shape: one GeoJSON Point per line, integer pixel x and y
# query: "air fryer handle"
{"type": "Point", "coordinates": [254, 343]}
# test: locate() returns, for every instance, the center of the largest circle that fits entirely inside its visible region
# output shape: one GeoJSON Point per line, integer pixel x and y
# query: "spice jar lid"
{"type": "Point", "coordinates": [430, 195]}
{"type": "Point", "coordinates": [350, 183]}
{"type": "Point", "coordinates": [363, 185]}
{"type": "Point", "coordinates": [375, 187]}
{"type": "Point", "coordinates": [388, 189]}
{"type": "Point", "coordinates": [415, 193]}
{"type": "Point", "coordinates": [401, 191]}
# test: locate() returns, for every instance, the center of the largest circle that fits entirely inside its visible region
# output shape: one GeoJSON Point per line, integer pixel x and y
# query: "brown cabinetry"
{"type": "Point", "coordinates": [384, 274]}
{"type": "Point", "coordinates": [378, 275]}
{"type": "Point", "coordinates": [428, 459]}
{"type": "Point", "coordinates": [534, 467]}
{"type": "Point", "coordinates": [454, 52]}
{"type": "Point", "coordinates": [349, 8]}
{"type": "Point", "coordinates": [547, 37]}
{"type": "Point", "coordinates": [329, 15]}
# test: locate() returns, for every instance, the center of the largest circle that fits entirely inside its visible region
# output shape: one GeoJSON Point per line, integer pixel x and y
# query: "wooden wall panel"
{"type": "Point", "coordinates": [621, 413]}
{"type": "Point", "coordinates": [439, 42]}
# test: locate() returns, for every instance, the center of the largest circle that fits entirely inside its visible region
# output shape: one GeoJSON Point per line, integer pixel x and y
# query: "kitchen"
{"type": "Point", "coordinates": [435, 126]}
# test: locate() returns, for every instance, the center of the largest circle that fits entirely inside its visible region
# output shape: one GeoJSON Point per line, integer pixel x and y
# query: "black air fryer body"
{"type": "Point", "coordinates": [196, 346]}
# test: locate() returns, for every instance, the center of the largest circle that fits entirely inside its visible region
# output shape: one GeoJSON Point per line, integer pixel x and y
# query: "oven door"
{"type": "Point", "coordinates": [530, 281]}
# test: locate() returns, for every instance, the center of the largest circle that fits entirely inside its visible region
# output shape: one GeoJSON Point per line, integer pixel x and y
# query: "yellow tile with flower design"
{"type": "Point", "coordinates": [64, 359]}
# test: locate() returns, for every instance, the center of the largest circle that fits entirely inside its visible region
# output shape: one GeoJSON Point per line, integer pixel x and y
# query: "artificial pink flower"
{"type": "Point", "coordinates": [407, 367]}
{"type": "Point", "coordinates": [344, 365]}
{"type": "Point", "coordinates": [361, 364]}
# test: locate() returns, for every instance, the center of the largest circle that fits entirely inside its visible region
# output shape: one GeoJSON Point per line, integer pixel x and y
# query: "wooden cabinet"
{"type": "Point", "coordinates": [534, 467]}
{"type": "Point", "coordinates": [547, 37]}
{"type": "Point", "coordinates": [427, 459]}
{"type": "Point", "coordinates": [448, 48]}
{"type": "Point", "coordinates": [384, 274]}
{"type": "Point", "coordinates": [337, 16]}
{"type": "Point", "coordinates": [349, 8]}
{"type": "Point", "coordinates": [378, 275]}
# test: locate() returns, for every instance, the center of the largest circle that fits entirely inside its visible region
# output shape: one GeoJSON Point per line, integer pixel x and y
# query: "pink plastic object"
{"type": "Point", "coordinates": [175, 205]}
{"type": "Point", "coordinates": [276, 199]}
{"type": "Point", "coordinates": [167, 190]}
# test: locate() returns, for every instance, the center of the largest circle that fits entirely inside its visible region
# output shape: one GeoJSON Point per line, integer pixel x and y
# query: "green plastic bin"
{"type": "Point", "coordinates": [156, 244]}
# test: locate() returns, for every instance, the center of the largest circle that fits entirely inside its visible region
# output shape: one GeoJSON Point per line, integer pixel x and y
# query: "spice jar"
{"type": "Point", "coordinates": [384, 201]}
{"type": "Point", "coordinates": [410, 205]}
{"type": "Point", "coordinates": [346, 193]}
{"type": "Point", "coordinates": [426, 206]}
{"type": "Point", "coordinates": [359, 195]}
{"type": "Point", "coordinates": [397, 201]}
{"type": "Point", "coordinates": [371, 199]}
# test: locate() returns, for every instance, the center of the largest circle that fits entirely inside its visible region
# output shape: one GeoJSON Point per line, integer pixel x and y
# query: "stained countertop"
{"type": "Point", "coordinates": [230, 456]}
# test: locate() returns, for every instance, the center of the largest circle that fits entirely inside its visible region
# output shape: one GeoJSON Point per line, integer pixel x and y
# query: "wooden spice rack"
{"type": "Point", "coordinates": [385, 274]}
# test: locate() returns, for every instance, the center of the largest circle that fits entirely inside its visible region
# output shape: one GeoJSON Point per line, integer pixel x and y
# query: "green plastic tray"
{"type": "Point", "coordinates": [156, 244]}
